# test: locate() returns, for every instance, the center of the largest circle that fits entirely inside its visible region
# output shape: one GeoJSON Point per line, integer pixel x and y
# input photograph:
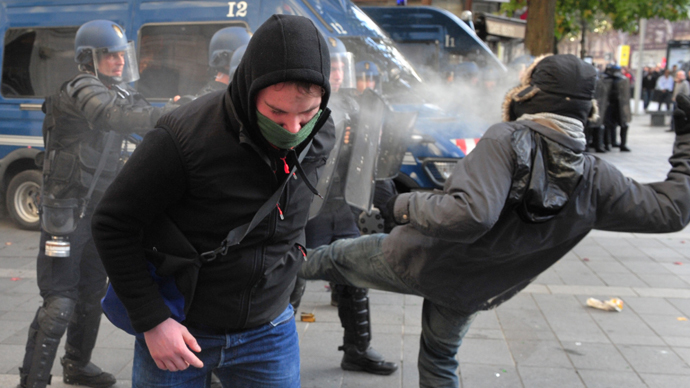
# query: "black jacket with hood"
{"type": "Point", "coordinates": [208, 168]}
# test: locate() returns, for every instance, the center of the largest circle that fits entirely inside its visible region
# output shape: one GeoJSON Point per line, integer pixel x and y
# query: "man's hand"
{"type": "Point", "coordinates": [681, 116]}
{"type": "Point", "coordinates": [169, 344]}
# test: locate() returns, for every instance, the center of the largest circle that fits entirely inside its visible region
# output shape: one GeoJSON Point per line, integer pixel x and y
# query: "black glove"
{"type": "Point", "coordinates": [388, 214]}
{"type": "Point", "coordinates": [681, 116]}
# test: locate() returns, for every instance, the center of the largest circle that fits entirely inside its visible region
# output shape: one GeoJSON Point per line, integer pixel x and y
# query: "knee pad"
{"type": "Point", "coordinates": [55, 315]}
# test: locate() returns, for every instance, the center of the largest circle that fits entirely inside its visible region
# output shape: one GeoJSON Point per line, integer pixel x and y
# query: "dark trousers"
{"type": "Point", "coordinates": [612, 119]}
{"type": "Point", "coordinates": [647, 95]}
{"type": "Point", "coordinates": [665, 98]}
{"type": "Point", "coordinates": [79, 278]}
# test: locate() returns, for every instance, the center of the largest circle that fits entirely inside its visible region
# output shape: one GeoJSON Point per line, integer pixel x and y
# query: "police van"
{"type": "Point", "coordinates": [172, 39]}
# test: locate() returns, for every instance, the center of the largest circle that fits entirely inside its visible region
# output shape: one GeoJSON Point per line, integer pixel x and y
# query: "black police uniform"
{"type": "Point", "coordinates": [79, 120]}
{"type": "Point", "coordinates": [336, 221]}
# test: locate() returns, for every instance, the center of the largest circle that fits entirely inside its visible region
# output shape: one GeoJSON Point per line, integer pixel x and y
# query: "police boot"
{"type": "Point", "coordinates": [89, 375]}
{"type": "Point", "coordinates": [624, 138]}
{"type": "Point", "coordinates": [81, 339]}
{"type": "Point", "coordinates": [353, 309]}
{"type": "Point", "coordinates": [23, 376]}
{"type": "Point", "coordinates": [44, 338]}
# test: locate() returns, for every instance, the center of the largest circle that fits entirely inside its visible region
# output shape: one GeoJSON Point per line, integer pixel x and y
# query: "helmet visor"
{"type": "Point", "coordinates": [120, 65]}
{"type": "Point", "coordinates": [368, 81]}
{"type": "Point", "coordinates": [342, 71]}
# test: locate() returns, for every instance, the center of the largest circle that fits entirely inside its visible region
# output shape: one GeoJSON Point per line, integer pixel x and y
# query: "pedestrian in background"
{"type": "Point", "coordinates": [617, 112]}
{"type": "Point", "coordinates": [649, 78]}
{"type": "Point", "coordinates": [664, 88]}
{"type": "Point", "coordinates": [681, 87]}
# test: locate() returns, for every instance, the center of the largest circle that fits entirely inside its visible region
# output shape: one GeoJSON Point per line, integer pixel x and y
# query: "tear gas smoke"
{"type": "Point", "coordinates": [477, 100]}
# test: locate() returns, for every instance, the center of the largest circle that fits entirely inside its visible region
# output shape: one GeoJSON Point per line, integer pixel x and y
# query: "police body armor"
{"type": "Point", "coordinates": [75, 149]}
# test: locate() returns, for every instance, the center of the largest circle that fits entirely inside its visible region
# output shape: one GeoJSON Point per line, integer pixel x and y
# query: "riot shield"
{"type": "Point", "coordinates": [359, 184]}
{"type": "Point", "coordinates": [323, 186]}
{"type": "Point", "coordinates": [395, 138]}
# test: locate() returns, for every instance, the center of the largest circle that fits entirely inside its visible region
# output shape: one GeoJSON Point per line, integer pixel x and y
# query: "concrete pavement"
{"type": "Point", "coordinates": [544, 337]}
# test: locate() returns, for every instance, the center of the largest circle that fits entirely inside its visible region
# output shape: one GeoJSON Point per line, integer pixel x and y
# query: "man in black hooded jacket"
{"type": "Point", "coordinates": [209, 167]}
{"type": "Point", "coordinates": [524, 197]}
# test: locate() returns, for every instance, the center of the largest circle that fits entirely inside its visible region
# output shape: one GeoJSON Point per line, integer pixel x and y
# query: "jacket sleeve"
{"type": "Point", "coordinates": [625, 205]}
{"type": "Point", "coordinates": [102, 107]}
{"type": "Point", "coordinates": [152, 179]}
{"type": "Point", "coordinates": [473, 197]}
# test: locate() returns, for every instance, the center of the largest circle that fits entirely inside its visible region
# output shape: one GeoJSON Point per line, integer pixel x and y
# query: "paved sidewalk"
{"type": "Point", "coordinates": [544, 337]}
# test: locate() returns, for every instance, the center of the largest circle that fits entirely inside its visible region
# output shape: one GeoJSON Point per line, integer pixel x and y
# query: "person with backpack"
{"type": "Point", "coordinates": [242, 160]}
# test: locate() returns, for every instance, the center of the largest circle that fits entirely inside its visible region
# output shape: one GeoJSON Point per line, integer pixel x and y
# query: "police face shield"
{"type": "Point", "coordinates": [368, 81]}
{"type": "Point", "coordinates": [342, 71]}
{"type": "Point", "coordinates": [121, 66]}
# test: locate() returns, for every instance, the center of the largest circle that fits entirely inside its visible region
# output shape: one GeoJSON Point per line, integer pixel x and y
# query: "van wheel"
{"type": "Point", "coordinates": [22, 199]}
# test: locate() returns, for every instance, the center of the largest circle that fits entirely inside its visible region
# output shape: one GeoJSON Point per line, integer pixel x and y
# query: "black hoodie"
{"type": "Point", "coordinates": [208, 168]}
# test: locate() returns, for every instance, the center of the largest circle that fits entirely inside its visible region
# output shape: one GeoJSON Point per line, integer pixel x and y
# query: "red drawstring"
{"type": "Point", "coordinates": [303, 252]}
{"type": "Point", "coordinates": [285, 166]}
{"type": "Point", "coordinates": [280, 212]}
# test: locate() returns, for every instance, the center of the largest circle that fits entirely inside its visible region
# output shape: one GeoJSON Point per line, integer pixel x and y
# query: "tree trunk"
{"type": "Point", "coordinates": [541, 20]}
{"type": "Point", "coordinates": [583, 50]}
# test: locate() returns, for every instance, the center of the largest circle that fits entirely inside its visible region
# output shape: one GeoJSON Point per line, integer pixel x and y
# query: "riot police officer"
{"type": "Point", "coordinates": [368, 76]}
{"type": "Point", "coordinates": [336, 221]}
{"type": "Point", "coordinates": [221, 48]}
{"type": "Point", "coordinates": [85, 130]}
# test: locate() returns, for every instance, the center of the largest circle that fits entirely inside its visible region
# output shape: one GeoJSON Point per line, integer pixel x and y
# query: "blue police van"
{"type": "Point", "coordinates": [433, 39]}
{"type": "Point", "coordinates": [172, 42]}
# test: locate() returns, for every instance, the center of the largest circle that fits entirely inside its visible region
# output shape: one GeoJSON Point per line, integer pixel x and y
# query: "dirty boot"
{"type": "Point", "coordinates": [23, 377]}
{"type": "Point", "coordinates": [353, 309]}
{"type": "Point", "coordinates": [369, 361]}
{"type": "Point", "coordinates": [89, 375]}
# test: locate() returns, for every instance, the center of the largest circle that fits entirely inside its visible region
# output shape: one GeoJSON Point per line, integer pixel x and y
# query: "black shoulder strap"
{"type": "Point", "coordinates": [238, 234]}
{"type": "Point", "coordinates": [99, 169]}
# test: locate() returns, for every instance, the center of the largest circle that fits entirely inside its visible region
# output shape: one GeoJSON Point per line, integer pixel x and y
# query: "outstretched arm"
{"type": "Point", "coordinates": [473, 197]}
{"type": "Point", "coordinates": [629, 206]}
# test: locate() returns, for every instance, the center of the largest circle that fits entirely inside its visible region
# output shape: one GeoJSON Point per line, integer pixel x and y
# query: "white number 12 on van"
{"type": "Point", "coordinates": [241, 9]}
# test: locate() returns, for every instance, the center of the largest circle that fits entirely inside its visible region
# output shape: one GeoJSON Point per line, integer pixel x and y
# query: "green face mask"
{"type": "Point", "coordinates": [279, 136]}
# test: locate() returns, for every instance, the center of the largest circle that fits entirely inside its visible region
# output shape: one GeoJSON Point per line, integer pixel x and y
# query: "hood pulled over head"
{"type": "Point", "coordinates": [284, 48]}
{"type": "Point", "coordinates": [559, 84]}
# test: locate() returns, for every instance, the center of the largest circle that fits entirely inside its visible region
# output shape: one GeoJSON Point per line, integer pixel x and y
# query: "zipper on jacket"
{"type": "Point", "coordinates": [247, 294]}
{"type": "Point", "coordinates": [280, 212]}
{"type": "Point", "coordinates": [257, 271]}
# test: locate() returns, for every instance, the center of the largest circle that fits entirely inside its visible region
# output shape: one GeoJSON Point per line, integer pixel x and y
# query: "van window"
{"type": "Point", "coordinates": [173, 58]}
{"type": "Point", "coordinates": [37, 61]}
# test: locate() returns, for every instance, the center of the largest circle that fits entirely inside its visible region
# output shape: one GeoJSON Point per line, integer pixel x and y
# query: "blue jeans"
{"type": "Point", "coordinates": [360, 262]}
{"type": "Point", "coordinates": [266, 356]}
